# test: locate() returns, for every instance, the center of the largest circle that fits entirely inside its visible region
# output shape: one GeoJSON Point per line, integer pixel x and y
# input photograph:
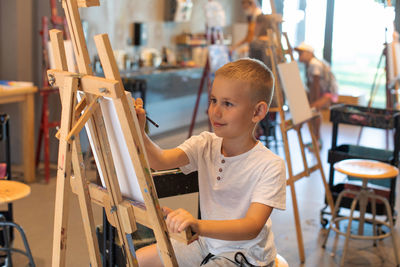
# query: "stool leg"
{"type": "Point", "coordinates": [348, 232]}
{"type": "Point", "coordinates": [25, 241]}
{"type": "Point", "coordinates": [373, 203]}
{"type": "Point", "coordinates": [363, 206]}
{"type": "Point", "coordinates": [6, 235]}
{"type": "Point", "coordinates": [389, 213]}
{"type": "Point", "coordinates": [327, 235]}
{"type": "Point", "coordinates": [28, 250]}
{"type": "Point", "coordinates": [334, 212]}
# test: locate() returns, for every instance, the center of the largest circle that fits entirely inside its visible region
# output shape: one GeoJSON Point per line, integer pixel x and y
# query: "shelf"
{"type": "Point", "coordinates": [351, 151]}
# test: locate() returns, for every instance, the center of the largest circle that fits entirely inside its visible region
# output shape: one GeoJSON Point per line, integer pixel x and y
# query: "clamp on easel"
{"type": "Point", "coordinates": [121, 213]}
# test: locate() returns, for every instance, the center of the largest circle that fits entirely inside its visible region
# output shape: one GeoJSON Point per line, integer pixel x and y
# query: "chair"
{"type": "Point", "coordinates": [9, 192]}
{"type": "Point", "coordinates": [364, 169]}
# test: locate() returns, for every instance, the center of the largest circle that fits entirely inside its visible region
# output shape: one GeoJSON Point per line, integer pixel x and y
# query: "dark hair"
{"type": "Point", "coordinates": [255, 73]}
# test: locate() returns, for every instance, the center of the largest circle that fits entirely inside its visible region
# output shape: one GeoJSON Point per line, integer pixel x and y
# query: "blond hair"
{"type": "Point", "coordinates": [255, 73]}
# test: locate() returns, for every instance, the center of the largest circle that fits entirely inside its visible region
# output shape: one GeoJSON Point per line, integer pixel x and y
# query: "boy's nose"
{"type": "Point", "coordinates": [216, 111]}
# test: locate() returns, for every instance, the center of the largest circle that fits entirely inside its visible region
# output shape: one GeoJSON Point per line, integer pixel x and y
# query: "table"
{"type": "Point", "coordinates": [25, 97]}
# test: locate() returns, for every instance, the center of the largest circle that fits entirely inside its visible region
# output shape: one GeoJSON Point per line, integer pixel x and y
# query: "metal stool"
{"type": "Point", "coordinates": [364, 169]}
{"type": "Point", "coordinates": [9, 192]}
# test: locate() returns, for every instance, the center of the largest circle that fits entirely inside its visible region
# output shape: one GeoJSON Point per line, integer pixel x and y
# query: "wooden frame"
{"type": "Point", "coordinates": [121, 213]}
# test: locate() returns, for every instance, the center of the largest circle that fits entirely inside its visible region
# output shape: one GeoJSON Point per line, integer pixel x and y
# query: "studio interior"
{"type": "Point", "coordinates": [199, 133]}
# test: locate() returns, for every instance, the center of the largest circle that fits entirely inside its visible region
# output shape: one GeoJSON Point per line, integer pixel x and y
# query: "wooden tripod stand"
{"type": "Point", "coordinates": [287, 125]}
{"type": "Point", "coordinates": [95, 94]}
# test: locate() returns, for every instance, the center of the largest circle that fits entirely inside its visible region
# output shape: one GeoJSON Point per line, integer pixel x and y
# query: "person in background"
{"type": "Point", "coordinates": [320, 81]}
{"type": "Point", "coordinates": [257, 26]}
{"type": "Point", "coordinates": [252, 11]}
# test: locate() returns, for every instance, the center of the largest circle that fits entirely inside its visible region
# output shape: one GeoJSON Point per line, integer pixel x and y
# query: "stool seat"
{"type": "Point", "coordinates": [13, 190]}
{"type": "Point", "coordinates": [363, 168]}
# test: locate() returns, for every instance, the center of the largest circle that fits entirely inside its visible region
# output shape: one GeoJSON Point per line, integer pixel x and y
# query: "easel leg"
{"type": "Point", "coordinates": [46, 139]}
{"type": "Point", "coordinates": [39, 142]}
{"type": "Point", "coordinates": [205, 75]}
{"type": "Point", "coordinates": [296, 214]}
{"type": "Point", "coordinates": [303, 154]}
{"type": "Point", "coordinates": [328, 193]}
{"type": "Point", "coordinates": [63, 174]}
{"type": "Point", "coordinates": [85, 204]}
{"type": "Point", "coordinates": [27, 109]}
{"type": "Point", "coordinates": [293, 193]}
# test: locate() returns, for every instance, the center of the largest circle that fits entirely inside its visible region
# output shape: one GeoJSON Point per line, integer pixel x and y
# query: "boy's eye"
{"type": "Point", "coordinates": [212, 100]}
{"type": "Point", "coordinates": [228, 104]}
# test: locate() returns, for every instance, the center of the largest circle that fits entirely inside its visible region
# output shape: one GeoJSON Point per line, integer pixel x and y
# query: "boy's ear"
{"type": "Point", "coordinates": [260, 111]}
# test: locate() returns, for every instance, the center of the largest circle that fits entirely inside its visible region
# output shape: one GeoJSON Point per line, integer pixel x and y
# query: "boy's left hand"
{"type": "Point", "coordinates": [178, 220]}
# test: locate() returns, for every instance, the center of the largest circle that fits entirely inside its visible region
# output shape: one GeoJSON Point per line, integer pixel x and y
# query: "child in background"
{"type": "Point", "coordinates": [240, 180]}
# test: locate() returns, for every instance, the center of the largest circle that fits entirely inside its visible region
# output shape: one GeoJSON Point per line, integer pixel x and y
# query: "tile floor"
{"type": "Point", "coordinates": [35, 214]}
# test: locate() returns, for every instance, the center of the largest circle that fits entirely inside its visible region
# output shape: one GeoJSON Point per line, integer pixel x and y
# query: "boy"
{"type": "Point", "coordinates": [240, 180]}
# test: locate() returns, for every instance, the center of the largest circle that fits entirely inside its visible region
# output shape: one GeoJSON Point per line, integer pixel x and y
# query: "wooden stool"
{"type": "Point", "coordinates": [364, 169]}
{"type": "Point", "coordinates": [9, 192]}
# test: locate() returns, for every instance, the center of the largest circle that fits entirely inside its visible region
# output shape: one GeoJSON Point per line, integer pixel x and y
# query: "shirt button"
{"type": "Point", "coordinates": [220, 169]}
{"type": "Point", "coordinates": [218, 178]}
{"type": "Point", "coordinates": [223, 161]}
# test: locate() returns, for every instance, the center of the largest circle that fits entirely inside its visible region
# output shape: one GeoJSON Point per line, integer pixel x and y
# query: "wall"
{"type": "Point", "coordinates": [20, 42]}
{"type": "Point", "coordinates": [114, 17]}
{"type": "Point", "coordinates": [18, 59]}
{"type": "Point", "coordinates": [16, 32]}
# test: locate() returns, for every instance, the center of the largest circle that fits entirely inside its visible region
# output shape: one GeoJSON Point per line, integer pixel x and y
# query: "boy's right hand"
{"type": "Point", "coordinates": [140, 112]}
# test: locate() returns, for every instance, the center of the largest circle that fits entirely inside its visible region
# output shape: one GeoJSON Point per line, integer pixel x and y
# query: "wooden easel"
{"type": "Point", "coordinates": [121, 213]}
{"type": "Point", "coordinates": [285, 126]}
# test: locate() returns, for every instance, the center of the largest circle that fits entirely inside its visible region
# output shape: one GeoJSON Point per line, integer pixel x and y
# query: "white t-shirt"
{"type": "Point", "coordinates": [228, 185]}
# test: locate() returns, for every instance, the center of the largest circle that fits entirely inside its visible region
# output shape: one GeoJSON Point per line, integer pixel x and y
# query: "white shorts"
{"type": "Point", "coordinates": [193, 255]}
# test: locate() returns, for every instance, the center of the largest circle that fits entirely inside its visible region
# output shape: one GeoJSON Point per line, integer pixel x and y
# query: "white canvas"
{"type": "Point", "coordinates": [295, 92]}
{"type": "Point", "coordinates": [124, 168]}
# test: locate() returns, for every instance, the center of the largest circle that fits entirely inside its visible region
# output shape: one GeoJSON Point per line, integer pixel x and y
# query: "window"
{"type": "Point", "coordinates": [358, 41]}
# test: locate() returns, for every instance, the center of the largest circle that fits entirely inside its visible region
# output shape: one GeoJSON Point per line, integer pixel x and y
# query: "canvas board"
{"type": "Point", "coordinates": [295, 92]}
{"type": "Point", "coordinates": [124, 168]}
